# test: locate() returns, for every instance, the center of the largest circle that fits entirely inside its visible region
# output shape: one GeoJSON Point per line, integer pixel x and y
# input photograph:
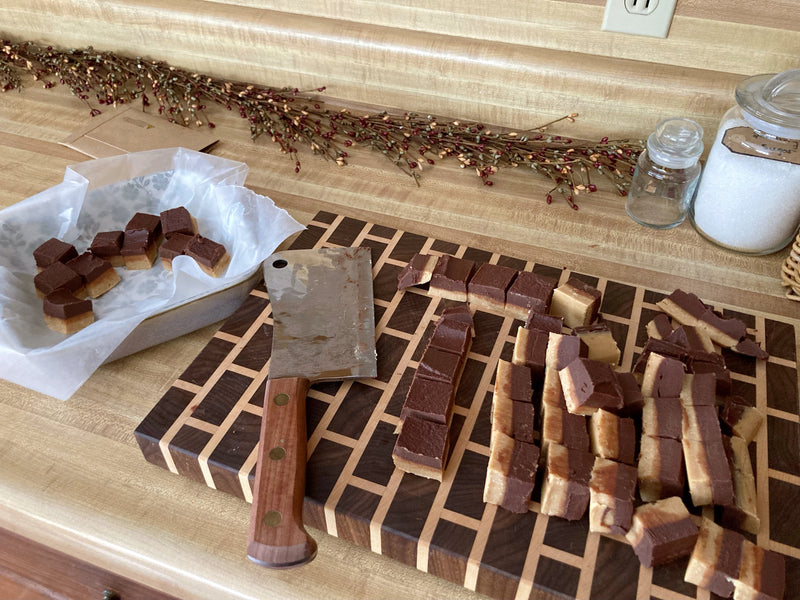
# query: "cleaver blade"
{"type": "Point", "coordinates": [323, 329]}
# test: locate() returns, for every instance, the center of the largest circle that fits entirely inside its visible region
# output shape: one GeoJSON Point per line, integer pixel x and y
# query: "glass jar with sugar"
{"type": "Point", "coordinates": [748, 198]}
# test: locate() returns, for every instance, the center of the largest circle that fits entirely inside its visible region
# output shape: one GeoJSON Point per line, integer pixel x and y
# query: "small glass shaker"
{"type": "Point", "coordinates": [666, 174]}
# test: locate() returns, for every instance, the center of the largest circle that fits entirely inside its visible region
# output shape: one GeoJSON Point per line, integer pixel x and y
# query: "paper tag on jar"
{"type": "Point", "coordinates": [743, 140]}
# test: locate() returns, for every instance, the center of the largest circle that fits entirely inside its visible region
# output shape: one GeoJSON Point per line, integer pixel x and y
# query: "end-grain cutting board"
{"type": "Point", "coordinates": [206, 427]}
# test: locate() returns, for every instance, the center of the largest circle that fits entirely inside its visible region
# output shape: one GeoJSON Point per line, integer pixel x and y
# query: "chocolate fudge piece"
{"type": "Point", "coordinates": [707, 472]}
{"type": "Point", "coordinates": [451, 335]}
{"type": "Point", "coordinates": [211, 256]}
{"type": "Point", "coordinates": [711, 362]}
{"type": "Point", "coordinates": [174, 246]}
{"type": "Point", "coordinates": [530, 350]}
{"type": "Point", "coordinates": [565, 489]}
{"type": "Point", "coordinates": [439, 365]}
{"type": "Point", "coordinates": [429, 399]}
{"type": "Point", "coordinates": [740, 419]}
{"type": "Point", "coordinates": [632, 399]}
{"type": "Point", "coordinates": [692, 338]}
{"type": "Point", "coordinates": [147, 223]}
{"type": "Point", "coordinates": [762, 574]}
{"type": "Point", "coordinates": [138, 251]}
{"type": "Point", "coordinates": [659, 327]}
{"type": "Point", "coordinates": [51, 251]}
{"type": "Point", "coordinates": [699, 389]}
{"type": "Point", "coordinates": [177, 220]}
{"type": "Point", "coordinates": [450, 277]}
{"type": "Point", "coordinates": [612, 489]}
{"type": "Point", "coordinates": [663, 417]}
{"type": "Point", "coordinates": [97, 274]}
{"type": "Point", "coordinates": [600, 343]}
{"type": "Point", "coordinates": [660, 469]}
{"type": "Point", "coordinates": [460, 313]}
{"type": "Point", "coordinates": [590, 385]}
{"type": "Point", "coordinates": [663, 377]}
{"type": "Point", "coordinates": [421, 448]}
{"type": "Point", "coordinates": [576, 302]}
{"type": "Point", "coordinates": [529, 292]}
{"type": "Point", "coordinates": [108, 245]}
{"type": "Point", "coordinates": [750, 347]}
{"type": "Point", "coordinates": [511, 473]}
{"type": "Point", "coordinates": [662, 531]}
{"type": "Point", "coordinates": [65, 313]}
{"type": "Point", "coordinates": [724, 331]}
{"type": "Point", "coordinates": [512, 410]}
{"type": "Point", "coordinates": [58, 276]}
{"type": "Point", "coordinates": [513, 381]}
{"type": "Point", "coordinates": [552, 393]}
{"type": "Point", "coordinates": [418, 271]}
{"type": "Point", "coordinates": [559, 426]}
{"type": "Point", "coordinates": [715, 560]}
{"type": "Point", "coordinates": [544, 322]}
{"type": "Point", "coordinates": [486, 289]}
{"type": "Point", "coordinates": [662, 347]}
{"type": "Point", "coordinates": [743, 512]}
{"type": "Point", "coordinates": [685, 308]}
{"type": "Point", "coordinates": [613, 437]}
{"type": "Point", "coordinates": [562, 349]}
{"type": "Point", "coordinates": [700, 423]}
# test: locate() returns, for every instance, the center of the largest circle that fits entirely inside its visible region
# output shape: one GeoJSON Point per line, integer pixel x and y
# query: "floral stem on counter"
{"type": "Point", "coordinates": [292, 118]}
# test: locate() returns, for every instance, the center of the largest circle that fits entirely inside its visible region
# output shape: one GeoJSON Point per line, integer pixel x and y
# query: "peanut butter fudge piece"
{"type": "Point", "coordinates": [560, 426]}
{"type": "Point", "coordinates": [58, 276]}
{"type": "Point", "coordinates": [711, 362]}
{"type": "Point", "coordinates": [451, 335]}
{"type": "Point", "coordinates": [460, 312]}
{"type": "Point", "coordinates": [211, 256]}
{"type": "Point", "coordinates": [429, 399]}
{"type": "Point", "coordinates": [421, 448]}
{"type": "Point", "coordinates": [512, 409]}
{"type": "Point", "coordinates": [108, 245]}
{"type": "Point", "coordinates": [600, 343]}
{"type": "Point", "coordinates": [661, 347]}
{"type": "Point", "coordinates": [699, 389]}
{"type": "Point", "coordinates": [97, 274]}
{"type": "Point", "coordinates": [663, 377]}
{"type": "Point", "coordinates": [715, 560]}
{"type": "Point", "coordinates": [743, 512]}
{"type": "Point", "coordinates": [450, 277]}
{"type": "Point", "coordinates": [147, 223]}
{"type": "Point", "coordinates": [174, 246]}
{"type": "Point", "coordinates": [511, 473]}
{"type": "Point", "coordinates": [707, 472]}
{"type": "Point", "coordinates": [660, 468]}
{"type": "Point", "coordinates": [740, 419]}
{"type": "Point", "coordinates": [700, 423]}
{"type": "Point", "coordinates": [662, 531]}
{"type": "Point", "coordinates": [544, 322]}
{"type": "Point", "coordinates": [530, 350]}
{"type": "Point", "coordinates": [65, 313]}
{"type": "Point", "coordinates": [724, 331]}
{"type": "Point", "coordinates": [659, 327]}
{"type": "Point", "coordinates": [613, 437]}
{"type": "Point", "coordinates": [663, 417]}
{"type": "Point", "coordinates": [138, 250]}
{"type": "Point", "coordinates": [632, 399]}
{"type": "Point", "coordinates": [685, 308]}
{"type": "Point", "coordinates": [576, 302]}
{"type": "Point", "coordinates": [612, 489]}
{"type": "Point", "coordinates": [418, 271]}
{"type": "Point", "coordinates": [562, 349]}
{"type": "Point", "coordinates": [514, 381]}
{"type": "Point", "coordinates": [529, 292]}
{"type": "Point", "coordinates": [762, 574]}
{"type": "Point", "coordinates": [51, 251]}
{"type": "Point", "coordinates": [565, 489]}
{"type": "Point", "coordinates": [590, 385]}
{"type": "Point", "coordinates": [177, 220]}
{"type": "Point", "coordinates": [692, 338]}
{"type": "Point", "coordinates": [439, 365]}
{"type": "Point", "coordinates": [552, 393]}
{"type": "Point", "coordinates": [487, 288]}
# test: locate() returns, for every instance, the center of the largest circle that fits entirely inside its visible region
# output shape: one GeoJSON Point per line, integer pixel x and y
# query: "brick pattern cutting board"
{"type": "Point", "coordinates": [206, 427]}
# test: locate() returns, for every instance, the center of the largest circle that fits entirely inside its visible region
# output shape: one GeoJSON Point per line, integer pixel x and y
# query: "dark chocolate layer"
{"type": "Point", "coordinates": [177, 220]}
{"type": "Point", "coordinates": [61, 304]}
{"type": "Point", "coordinates": [107, 244]}
{"type": "Point", "coordinates": [57, 276]}
{"type": "Point", "coordinates": [205, 251]}
{"type": "Point", "coordinates": [89, 266]}
{"type": "Point", "coordinates": [491, 281]}
{"type": "Point", "coordinates": [531, 292]}
{"type": "Point", "coordinates": [53, 250]}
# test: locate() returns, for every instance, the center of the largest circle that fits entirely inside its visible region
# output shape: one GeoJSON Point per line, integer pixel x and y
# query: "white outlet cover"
{"type": "Point", "coordinates": [644, 17]}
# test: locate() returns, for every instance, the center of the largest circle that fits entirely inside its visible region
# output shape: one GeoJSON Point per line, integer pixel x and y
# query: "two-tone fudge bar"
{"type": "Point", "coordinates": [662, 531]}
{"type": "Point", "coordinates": [699, 389]}
{"type": "Point", "coordinates": [512, 409]}
{"type": "Point", "coordinates": [530, 350]}
{"type": "Point", "coordinates": [659, 327]}
{"type": "Point", "coordinates": [590, 385]}
{"type": "Point", "coordinates": [177, 220]}
{"type": "Point", "coordinates": [421, 448]}
{"type": "Point", "coordinates": [544, 322]}
{"type": "Point", "coordinates": [565, 488]}
{"type": "Point", "coordinates": [684, 307]}
{"type": "Point", "coordinates": [52, 251]}
{"type": "Point", "coordinates": [762, 574]}
{"type": "Point", "coordinates": [740, 419]}
{"type": "Point", "coordinates": [742, 513]}
{"type": "Point", "coordinates": [613, 437]}
{"type": "Point", "coordinates": [725, 331]}
{"type": "Point", "coordinates": [600, 343]}
{"type": "Point", "coordinates": [612, 489]}
{"type": "Point", "coordinates": [692, 338]}
{"type": "Point", "coordinates": [418, 271]}
{"type": "Point", "coordinates": [439, 365]}
{"type": "Point", "coordinates": [140, 243]}
{"type": "Point", "coordinates": [429, 399]}
{"type": "Point", "coordinates": [511, 473]}
{"type": "Point", "coordinates": [660, 470]}
{"type": "Point", "coordinates": [559, 426]}
{"type": "Point", "coordinates": [65, 313]}
{"type": "Point", "coordinates": [562, 349]}
{"type": "Point", "coordinates": [552, 392]}
{"type": "Point", "coordinates": [576, 302]}
{"type": "Point", "coordinates": [58, 276]}
{"type": "Point", "coordinates": [711, 362]}
{"type": "Point", "coordinates": [662, 347]}
{"type": "Point", "coordinates": [632, 398]}
{"type": "Point", "coordinates": [528, 293]}
{"type": "Point", "coordinates": [715, 560]}
{"type": "Point", "coordinates": [211, 256]}
{"type": "Point", "coordinates": [108, 245]}
{"type": "Point", "coordinates": [663, 376]}
{"type": "Point", "coordinates": [173, 247]}
{"type": "Point", "coordinates": [97, 274]}
{"type": "Point", "coordinates": [450, 278]}
{"type": "Point", "coordinates": [663, 417]}
{"type": "Point", "coordinates": [486, 290]}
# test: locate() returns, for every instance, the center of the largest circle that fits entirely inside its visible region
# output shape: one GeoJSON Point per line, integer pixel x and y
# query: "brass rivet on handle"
{"type": "Point", "coordinates": [272, 518]}
{"type": "Point", "coordinates": [281, 399]}
{"type": "Point", "coordinates": [277, 453]}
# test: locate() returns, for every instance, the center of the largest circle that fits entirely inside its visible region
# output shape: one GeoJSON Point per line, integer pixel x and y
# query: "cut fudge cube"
{"type": "Point", "coordinates": [450, 277]}
{"type": "Point", "coordinates": [511, 473]}
{"type": "Point", "coordinates": [97, 274]}
{"type": "Point", "coordinates": [418, 271]}
{"type": "Point", "coordinates": [512, 418]}
{"type": "Point", "coordinates": [707, 472]}
{"type": "Point", "coordinates": [439, 365]}
{"type": "Point", "coordinates": [486, 289]}
{"type": "Point", "coordinates": [699, 389]}
{"type": "Point", "coordinates": [662, 347]}
{"type": "Point", "coordinates": [632, 399]}
{"type": "Point", "coordinates": [659, 327]}
{"type": "Point", "coordinates": [108, 245]}
{"type": "Point", "coordinates": [692, 338]}
{"type": "Point", "coordinates": [65, 313]}
{"type": "Point", "coordinates": [714, 364]}
{"type": "Point", "coordinates": [685, 308]}
{"type": "Point", "coordinates": [530, 350]}
{"type": "Point", "coordinates": [146, 224]}
{"type": "Point", "coordinates": [52, 251]}
{"type": "Point", "coordinates": [560, 426]}
{"type": "Point", "coordinates": [138, 251]}
{"type": "Point", "coordinates": [174, 246]}
{"type": "Point", "coordinates": [58, 276]}
{"type": "Point", "coordinates": [562, 349]}
{"type": "Point", "coordinates": [460, 312]}
{"type": "Point", "coordinates": [663, 417]}
{"type": "Point", "coordinates": [715, 560]}
{"type": "Point", "coordinates": [660, 469]}
{"type": "Point", "coordinates": [451, 335]}
{"type": "Point", "coordinates": [662, 531]}
{"type": "Point", "coordinates": [565, 489]}
{"type": "Point", "coordinates": [177, 220]}
{"type": "Point", "coordinates": [613, 437]}
{"type": "Point", "coordinates": [514, 381]}
{"type": "Point", "coordinates": [429, 399]}
{"type": "Point", "coordinates": [600, 343]}
{"type": "Point", "coordinates": [576, 302]}
{"type": "Point", "coordinates": [421, 448]}
{"type": "Point", "coordinates": [762, 574]}
{"type": "Point", "coordinates": [544, 322]}
{"type": "Point", "coordinates": [612, 489]}
{"type": "Point", "coordinates": [211, 256]}
{"type": "Point", "coordinates": [590, 385]}
{"type": "Point", "coordinates": [740, 419]}
{"type": "Point", "coordinates": [529, 292]}
{"type": "Point", "coordinates": [552, 393]}
{"type": "Point", "coordinates": [663, 377]}
{"type": "Point", "coordinates": [743, 512]}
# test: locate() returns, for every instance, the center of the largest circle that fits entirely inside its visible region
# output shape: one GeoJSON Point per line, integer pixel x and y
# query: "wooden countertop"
{"type": "Point", "coordinates": [72, 475]}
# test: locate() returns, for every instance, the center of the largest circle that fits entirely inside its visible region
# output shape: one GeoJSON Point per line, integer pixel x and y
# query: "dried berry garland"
{"type": "Point", "coordinates": [291, 118]}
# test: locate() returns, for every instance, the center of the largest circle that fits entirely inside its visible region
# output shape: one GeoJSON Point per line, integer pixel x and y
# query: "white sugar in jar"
{"type": "Point", "coordinates": [748, 198]}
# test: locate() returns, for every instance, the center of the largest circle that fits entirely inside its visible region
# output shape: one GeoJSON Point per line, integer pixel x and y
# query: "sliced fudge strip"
{"type": "Point", "coordinates": [421, 448]}
{"type": "Point", "coordinates": [663, 376]}
{"type": "Point", "coordinates": [662, 531]}
{"type": "Point", "coordinates": [511, 473]}
{"type": "Point", "coordinates": [659, 327]}
{"type": "Point", "coordinates": [177, 220]}
{"type": "Point", "coordinates": [108, 245]}
{"type": "Point", "coordinates": [530, 350]}
{"type": "Point", "coordinates": [529, 292]}
{"type": "Point", "coordinates": [699, 389]}
{"type": "Point", "coordinates": [429, 399]}
{"type": "Point", "coordinates": [576, 302]}
{"type": "Point", "coordinates": [52, 251]}
{"type": "Point", "coordinates": [562, 349]}
{"type": "Point", "coordinates": [418, 271]}
{"type": "Point", "coordinates": [725, 331]}
{"type": "Point", "coordinates": [740, 419]}
{"type": "Point", "coordinates": [660, 468]}
{"type": "Point", "coordinates": [173, 247]}
{"type": "Point", "coordinates": [590, 385]}
{"type": "Point", "coordinates": [762, 574]}
{"type": "Point", "coordinates": [613, 437]}
{"type": "Point", "coordinates": [708, 473]}
{"type": "Point", "coordinates": [65, 313]}
{"type": "Point", "coordinates": [685, 308]}
{"type": "Point", "coordinates": [560, 426]}
{"type": "Point", "coordinates": [715, 560]}
{"type": "Point", "coordinates": [58, 276]}
{"type": "Point", "coordinates": [211, 256]}
{"type": "Point", "coordinates": [632, 398]}
{"type": "Point", "coordinates": [612, 489]}
{"type": "Point", "coordinates": [711, 362]}
{"type": "Point", "coordinates": [600, 343]}
{"type": "Point", "coordinates": [450, 277]}
{"type": "Point", "coordinates": [700, 424]}
{"type": "Point", "coordinates": [513, 381]}
{"type": "Point", "coordinates": [743, 512]}
{"type": "Point", "coordinates": [486, 290]}
{"type": "Point", "coordinates": [98, 275]}
{"type": "Point", "coordinates": [565, 489]}
{"type": "Point", "coordinates": [663, 417]}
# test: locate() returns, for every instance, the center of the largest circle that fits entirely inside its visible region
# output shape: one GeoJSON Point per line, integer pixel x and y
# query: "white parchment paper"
{"type": "Point", "coordinates": [102, 195]}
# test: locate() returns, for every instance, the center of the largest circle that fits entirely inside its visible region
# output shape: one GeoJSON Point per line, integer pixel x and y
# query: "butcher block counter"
{"type": "Point", "coordinates": [72, 476]}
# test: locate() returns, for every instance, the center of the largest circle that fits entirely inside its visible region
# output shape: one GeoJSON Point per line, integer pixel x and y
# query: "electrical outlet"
{"type": "Point", "coordinates": [639, 17]}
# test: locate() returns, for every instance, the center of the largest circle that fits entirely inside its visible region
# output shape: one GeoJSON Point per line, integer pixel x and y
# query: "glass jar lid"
{"type": "Point", "coordinates": [676, 143]}
{"type": "Point", "coordinates": [771, 103]}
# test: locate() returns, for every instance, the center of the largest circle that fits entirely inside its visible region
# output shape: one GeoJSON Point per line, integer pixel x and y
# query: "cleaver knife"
{"type": "Point", "coordinates": [323, 329]}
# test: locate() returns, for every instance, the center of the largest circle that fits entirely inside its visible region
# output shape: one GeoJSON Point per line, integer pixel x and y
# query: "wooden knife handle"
{"type": "Point", "coordinates": [277, 538]}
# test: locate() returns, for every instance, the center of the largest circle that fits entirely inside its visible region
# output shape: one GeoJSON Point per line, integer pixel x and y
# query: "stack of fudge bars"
{"type": "Point", "coordinates": [605, 433]}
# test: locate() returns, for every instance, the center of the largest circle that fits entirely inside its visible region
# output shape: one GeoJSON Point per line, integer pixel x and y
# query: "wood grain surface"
{"type": "Point", "coordinates": [206, 428]}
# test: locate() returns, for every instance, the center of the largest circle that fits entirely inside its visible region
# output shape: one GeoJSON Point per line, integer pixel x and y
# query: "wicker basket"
{"type": "Point", "coordinates": [790, 272]}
